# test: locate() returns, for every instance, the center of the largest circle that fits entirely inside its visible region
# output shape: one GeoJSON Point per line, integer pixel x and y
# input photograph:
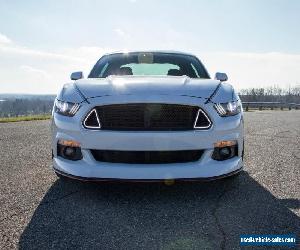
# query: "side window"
{"type": "Point", "coordinates": [195, 71]}
{"type": "Point", "coordinates": [103, 70]}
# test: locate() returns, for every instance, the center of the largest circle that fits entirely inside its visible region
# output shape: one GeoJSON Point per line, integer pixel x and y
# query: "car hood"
{"type": "Point", "coordinates": [132, 85]}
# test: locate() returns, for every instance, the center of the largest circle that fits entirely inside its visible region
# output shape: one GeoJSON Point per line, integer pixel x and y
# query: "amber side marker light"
{"type": "Point", "coordinates": [222, 144]}
{"type": "Point", "coordinates": [68, 143]}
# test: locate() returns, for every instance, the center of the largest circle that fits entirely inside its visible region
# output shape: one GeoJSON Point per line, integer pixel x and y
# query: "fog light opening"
{"type": "Point", "coordinates": [225, 150]}
{"type": "Point", "coordinates": [69, 150]}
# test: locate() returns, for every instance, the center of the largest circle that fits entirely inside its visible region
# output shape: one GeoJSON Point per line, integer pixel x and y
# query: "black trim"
{"type": "Point", "coordinates": [147, 157]}
{"type": "Point", "coordinates": [92, 179]}
{"type": "Point", "coordinates": [81, 94]}
{"type": "Point", "coordinates": [213, 93]}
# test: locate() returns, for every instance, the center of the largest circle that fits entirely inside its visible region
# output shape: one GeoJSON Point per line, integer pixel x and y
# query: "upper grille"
{"type": "Point", "coordinates": [148, 117]}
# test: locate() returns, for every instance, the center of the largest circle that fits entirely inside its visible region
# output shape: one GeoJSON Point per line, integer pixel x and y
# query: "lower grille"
{"type": "Point", "coordinates": [147, 157]}
{"type": "Point", "coordinates": [147, 117]}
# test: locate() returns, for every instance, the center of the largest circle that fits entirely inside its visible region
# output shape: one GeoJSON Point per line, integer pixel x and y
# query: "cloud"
{"type": "Point", "coordinates": [23, 51]}
{"type": "Point", "coordinates": [32, 70]}
{"type": "Point", "coordinates": [27, 70]}
{"type": "Point", "coordinates": [247, 70]}
{"type": "Point", "coordinates": [4, 39]}
{"type": "Point", "coordinates": [121, 33]}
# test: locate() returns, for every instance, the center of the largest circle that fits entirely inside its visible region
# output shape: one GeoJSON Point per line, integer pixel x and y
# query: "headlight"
{"type": "Point", "coordinates": [228, 109]}
{"type": "Point", "coordinates": [66, 108]}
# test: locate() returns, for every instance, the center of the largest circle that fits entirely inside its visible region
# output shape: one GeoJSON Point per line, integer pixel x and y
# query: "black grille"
{"type": "Point", "coordinates": [147, 157]}
{"type": "Point", "coordinates": [149, 117]}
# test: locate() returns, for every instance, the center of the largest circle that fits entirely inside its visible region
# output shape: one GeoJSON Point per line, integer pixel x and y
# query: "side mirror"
{"type": "Point", "coordinates": [221, 77]}
{"type": "Point", "coordinates": [76, 75]}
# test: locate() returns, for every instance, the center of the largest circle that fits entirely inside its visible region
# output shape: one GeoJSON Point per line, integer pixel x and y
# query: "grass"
{"type": "Point", "coordinates": [25, 118]}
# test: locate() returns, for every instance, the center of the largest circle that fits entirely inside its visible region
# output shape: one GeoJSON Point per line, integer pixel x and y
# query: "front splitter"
{"type": "Point", "coordinates": [93, 179]}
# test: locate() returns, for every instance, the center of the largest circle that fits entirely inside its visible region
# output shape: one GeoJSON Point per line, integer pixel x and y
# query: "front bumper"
{"type": "Point", "coordinates": [70, 128]}
{"type": "Point", "coordinates": [94, 179]}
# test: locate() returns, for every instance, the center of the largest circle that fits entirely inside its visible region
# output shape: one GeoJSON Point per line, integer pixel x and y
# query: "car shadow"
{"type": "Point", "coordinates": [189, 215]}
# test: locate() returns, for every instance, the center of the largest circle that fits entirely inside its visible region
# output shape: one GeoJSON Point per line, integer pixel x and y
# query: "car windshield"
{"type": "Point", "coordinates": [149, 64]}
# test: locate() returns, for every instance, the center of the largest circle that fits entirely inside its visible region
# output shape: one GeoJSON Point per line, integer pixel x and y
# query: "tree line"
{"type": "Point", "coordinates": [22, 107]}
{"type": "Point", "coordinates": [271, 94]}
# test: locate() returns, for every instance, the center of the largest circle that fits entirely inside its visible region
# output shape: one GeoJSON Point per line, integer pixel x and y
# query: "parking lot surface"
{"type": "Point", "coordinates": [38, 211]}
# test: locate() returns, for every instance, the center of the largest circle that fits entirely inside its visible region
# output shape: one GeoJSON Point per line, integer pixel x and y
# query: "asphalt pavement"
{"type": "Point", "coordinates": [38, 211]}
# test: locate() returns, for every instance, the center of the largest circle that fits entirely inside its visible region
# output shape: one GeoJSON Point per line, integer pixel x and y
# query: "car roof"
{"type": "Point", "coordinates": [150, 51]}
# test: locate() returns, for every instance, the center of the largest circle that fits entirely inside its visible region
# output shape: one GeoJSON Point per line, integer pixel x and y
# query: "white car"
{"type": "Point", "coordinates": [147, 116]}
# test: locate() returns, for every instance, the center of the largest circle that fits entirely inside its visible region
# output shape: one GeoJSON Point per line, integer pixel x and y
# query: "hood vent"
{"type": "Point", "coordinates": [92, 120]}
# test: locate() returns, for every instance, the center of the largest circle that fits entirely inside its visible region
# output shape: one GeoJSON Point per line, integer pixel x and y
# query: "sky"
{"type": "Point", "coordinates": [256, 42]}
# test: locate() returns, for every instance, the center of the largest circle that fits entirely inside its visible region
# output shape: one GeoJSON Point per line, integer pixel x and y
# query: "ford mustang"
{"type": "Point", "coordinates": [147, 116]}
